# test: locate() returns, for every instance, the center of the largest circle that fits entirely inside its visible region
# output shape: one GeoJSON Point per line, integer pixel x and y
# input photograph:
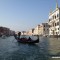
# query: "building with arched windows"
{"type": "Point", "coordinates": [54, 21]}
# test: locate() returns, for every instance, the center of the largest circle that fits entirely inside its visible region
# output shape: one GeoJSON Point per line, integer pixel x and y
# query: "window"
{"type": "Point", "coordinates": [57, 15]}
{"type": "Point", "coordinates": [56, 32]}
{"type": "Point", "coordinates": [49, 26]}
{"type": "Point", "coordinates": [57, 23]}
{"type": "Point", "coordinates": [49, 20]}
{"type": "Point", "coordinates": [47, 29]}
{"type": "Point", "coordinates": [44, 25]}
{"type": "Point", "coordinates": [44, 29]}
{"type": "Point", "coordinates": [53, 24]}
{"type": "Point", "coordinates": [58, 28]}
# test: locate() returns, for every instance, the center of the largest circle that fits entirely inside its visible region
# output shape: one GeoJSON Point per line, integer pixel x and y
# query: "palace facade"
{"type": "Point", "coordinates": [54, 21]}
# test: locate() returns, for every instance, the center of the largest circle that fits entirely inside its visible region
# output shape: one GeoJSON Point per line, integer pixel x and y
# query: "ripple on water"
{"type": "Point", "coordinates": [10, 49]}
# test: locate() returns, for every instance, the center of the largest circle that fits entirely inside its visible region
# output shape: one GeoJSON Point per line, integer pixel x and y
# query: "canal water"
{"type": "Point", "coordinates": [10, 49]}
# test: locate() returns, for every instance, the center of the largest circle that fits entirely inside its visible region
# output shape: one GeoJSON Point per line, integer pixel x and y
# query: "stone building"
{"type": "Point", "coordinates": [54, 21]}
{"type": "Point", "coordinates": [36, 30]}
{"type": "Point", "coordinates": [30, 32]}
{"type": "Point", "coordinates": [42, 29]}
{"type": "Point", "coordinates": [6, 31]}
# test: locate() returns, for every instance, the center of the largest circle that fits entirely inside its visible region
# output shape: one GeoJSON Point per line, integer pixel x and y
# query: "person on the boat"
{"type": "Point", "coordinates": [29, 39]}
{"type": "Point", "coordinates": [19, 34]}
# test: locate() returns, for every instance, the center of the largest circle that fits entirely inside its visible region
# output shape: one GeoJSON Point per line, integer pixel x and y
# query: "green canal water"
{"type": "Point", "coordinates": [10, 49]}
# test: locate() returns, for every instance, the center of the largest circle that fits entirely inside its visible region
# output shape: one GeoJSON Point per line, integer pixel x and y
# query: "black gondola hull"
{"type": "Point", "coordinates": [24, 40]}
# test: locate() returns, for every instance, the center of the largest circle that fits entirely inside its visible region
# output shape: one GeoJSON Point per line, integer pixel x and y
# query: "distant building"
{"type": "Point", "coordinates": [30, 32]}
{"type": "Point", "coordinates": [36, 30]}
{"type": "Point", "coordinates": [45, 27]}
{"type": "Point", "coordinates": [42, 29]}
{"type": "Point", "coordinates": [1, 31]}
{"type": "Point", "coordinates": [6, 31]}
{"type": "Point", "coordinates": [11, 32]}
{"type": "Point", "coordinates": [54, 21]}
{"type": "Point", "coordinates": [23, 33]}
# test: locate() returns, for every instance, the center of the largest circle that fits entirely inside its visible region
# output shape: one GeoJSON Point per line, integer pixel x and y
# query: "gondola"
{"type": "Point", "coordinates": [25, 40]}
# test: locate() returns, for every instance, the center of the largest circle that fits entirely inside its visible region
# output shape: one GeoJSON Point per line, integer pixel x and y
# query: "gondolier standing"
{"type": "Point", "coordinates": [19, 34]}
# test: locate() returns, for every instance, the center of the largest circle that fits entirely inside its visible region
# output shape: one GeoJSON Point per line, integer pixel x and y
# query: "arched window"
{"type": "Point", "coordinates": [57, 23]}
{"type": "Point", "coordinates": [49, 20]}
{"type": "Point", "coordinates": [57, 15]}
{"type": "Point", "coordinates": [58, 28]}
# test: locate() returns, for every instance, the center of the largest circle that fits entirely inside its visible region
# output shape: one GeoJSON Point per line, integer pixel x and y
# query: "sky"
{"type": "Point", "coordinates": [23, 15]}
